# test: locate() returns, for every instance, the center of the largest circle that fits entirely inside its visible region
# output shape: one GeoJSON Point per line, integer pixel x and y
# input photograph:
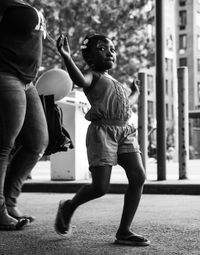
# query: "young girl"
{"type": "Point", "coordinates": [110, 139]}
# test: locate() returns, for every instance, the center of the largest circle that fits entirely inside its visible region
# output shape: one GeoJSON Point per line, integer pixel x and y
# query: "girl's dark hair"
{"type": "Point", "coordinates": [88, 43]}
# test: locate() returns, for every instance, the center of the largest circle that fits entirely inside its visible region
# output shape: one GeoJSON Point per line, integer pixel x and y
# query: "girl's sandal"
{"type": "Point", "coordinates": [61, 225]}
{"type": "Point", "coordinates": [132, 240]}
{"type": "Point", "coordinates": [12, 226]}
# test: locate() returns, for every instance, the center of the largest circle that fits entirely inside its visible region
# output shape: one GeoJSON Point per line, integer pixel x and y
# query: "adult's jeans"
{"type": "Point", "coordinates": [21, 115]}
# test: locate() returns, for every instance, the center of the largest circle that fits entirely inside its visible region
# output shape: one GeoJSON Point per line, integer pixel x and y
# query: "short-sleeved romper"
{"type": "Point", "coordinates": [109, 133]}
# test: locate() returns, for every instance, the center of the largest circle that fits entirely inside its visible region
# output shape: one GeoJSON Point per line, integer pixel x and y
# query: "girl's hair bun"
{"type": "Point", "coordinates": [92, 39]}
{"type": "Point", "coordinates": [88, 43]}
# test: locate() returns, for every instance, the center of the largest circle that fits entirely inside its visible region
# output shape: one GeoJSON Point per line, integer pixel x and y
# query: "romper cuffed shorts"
{"type": "Point", "coordinates": [105, 140]}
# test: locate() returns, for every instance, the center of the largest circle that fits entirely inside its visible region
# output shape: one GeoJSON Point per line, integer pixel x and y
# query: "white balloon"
{"type": "Point", "coordinates": [54, 81]}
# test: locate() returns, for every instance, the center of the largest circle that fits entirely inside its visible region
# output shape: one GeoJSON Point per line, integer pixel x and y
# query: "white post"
{"type": "Point", "coordinates": [142, 118]}
{"type": "Point", "coordinates": [183, 121]}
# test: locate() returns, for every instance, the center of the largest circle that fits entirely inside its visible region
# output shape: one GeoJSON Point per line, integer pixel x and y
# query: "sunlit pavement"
{"type": "Point", "coordinates": [41, 180]}
{"type": "Point", "coordinates": [42, 171]}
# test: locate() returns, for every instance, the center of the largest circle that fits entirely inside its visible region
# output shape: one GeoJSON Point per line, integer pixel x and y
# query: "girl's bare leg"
{"type": "Point", "coordinates": [132, 164]}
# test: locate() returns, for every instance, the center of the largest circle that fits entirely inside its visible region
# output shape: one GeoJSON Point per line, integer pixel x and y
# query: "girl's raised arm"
{"type": "Point", "coordinates": [74, 72]}
{"type": "Point", "coordinates": [135, 92]}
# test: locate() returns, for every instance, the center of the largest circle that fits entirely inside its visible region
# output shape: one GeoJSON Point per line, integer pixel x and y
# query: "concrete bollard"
{"type": "Point", "coordinates": [142, 118]}
{"type": "Point", "coordinates": [183, 122]}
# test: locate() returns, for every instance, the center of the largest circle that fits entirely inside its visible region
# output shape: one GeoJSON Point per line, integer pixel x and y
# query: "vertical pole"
{"type": "Point", "coordinates": [142, 117]}
{"type": "Point", "coordinates": [160, 92]}
{"type": "Point", "coordinates": [183, 122]}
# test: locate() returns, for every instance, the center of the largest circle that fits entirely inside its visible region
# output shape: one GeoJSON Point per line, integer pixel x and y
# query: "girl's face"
{"type": "Point", "coordinates": [103, 55]}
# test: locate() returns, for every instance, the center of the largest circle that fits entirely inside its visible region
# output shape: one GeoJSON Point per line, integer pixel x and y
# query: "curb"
{"type": "Point", "coordinates": [115, 188]}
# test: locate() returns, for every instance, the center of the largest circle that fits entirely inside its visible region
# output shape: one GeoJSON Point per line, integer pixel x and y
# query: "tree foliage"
{"type": "Point", "coordinates": [124, 21]}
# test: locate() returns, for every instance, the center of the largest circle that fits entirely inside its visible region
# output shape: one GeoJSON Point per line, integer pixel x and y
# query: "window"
{"type": "Point", "coordinates": [169, 39]}
{"type": "Point", "coordinates": [198, 65]}
{"type": "Point", "coordinates": [166, 64]}
{"type": "Point", "coordinates": [167, 111]}
{"type": "Point", "coordinates": [149, 83]}
{"type": "Point", "coordinates": [182, 19]}
{"type": "Point", "coordinates": [182, 2]}
{"type": "Point", "coordinates": [198, 42]}
{"type": "Point", "coordinates": [172, 111]}
{"type": "Point", "coordinates": [182, 42]}
{"type": "Point", "coordinates": [166, 87]}
{"type": "Point", "coordinates": [198, 91]}
{"type": "Point", "coordinates": [183, 62]}
{"type": "Point", "coordinates": [198, 18]}
{"type": "Point", "coordinates": [150, 108]}
{"type": "Point", "coordinates": [172, 65]}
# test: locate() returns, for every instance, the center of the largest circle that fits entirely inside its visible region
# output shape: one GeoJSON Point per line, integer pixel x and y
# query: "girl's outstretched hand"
{"type": "Point", "coordinates": [135, 86]}
{"type": "Point", "coordinates": [63, 45]}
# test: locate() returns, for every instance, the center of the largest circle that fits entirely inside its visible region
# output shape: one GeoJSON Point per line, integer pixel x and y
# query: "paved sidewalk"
{"type": "Point", "coordinates": [41, 180]}
{"type": "Point", "coordinates": [170, 222]}
{"type": "Point", "coordinates": [42, 171]}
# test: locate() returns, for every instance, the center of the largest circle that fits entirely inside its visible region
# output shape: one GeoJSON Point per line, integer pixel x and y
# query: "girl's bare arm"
{"type": "Point", "coordinates": [135, 92]}
{"type": "Point", "coordinates": [74, 72]}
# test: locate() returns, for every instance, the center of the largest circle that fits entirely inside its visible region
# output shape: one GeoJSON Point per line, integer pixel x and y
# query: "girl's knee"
{"type": "Point", "coordinates": [100, 191]}
{"type": "Point", "coordinates": [139, 178]}
{"type": "Point", "coordinates": [142, 178]}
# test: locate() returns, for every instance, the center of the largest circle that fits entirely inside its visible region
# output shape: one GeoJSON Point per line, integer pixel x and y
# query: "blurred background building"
{"type": "Point", "coordinates": [182, 48]}
{"type": "Point", "coordinates": [188, 54]}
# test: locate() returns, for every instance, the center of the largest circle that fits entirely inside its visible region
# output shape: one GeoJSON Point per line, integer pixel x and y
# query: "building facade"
{"type": "Point", "coordinates": [188, 45]}
{"type": "Point", "coordinates": [181, 48]}
{"type": "Point", "coordinates": [188, 54]}
{"type": "Point", "coordinates": [170, 77]}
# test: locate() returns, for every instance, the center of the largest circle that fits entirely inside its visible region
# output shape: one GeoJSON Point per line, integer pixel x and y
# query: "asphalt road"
{"type": "Point", "coordinates": [171, 222]}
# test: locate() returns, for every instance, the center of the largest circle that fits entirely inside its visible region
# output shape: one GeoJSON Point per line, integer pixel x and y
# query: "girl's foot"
{"type": "Point", "coordinates": [14, 212]}
{"type": "Point", "coordinates": [63, 218]}
{"type": "Point", "coordinates": [9, 223]}
{"type": "Point", "coordinates": [131, 239]}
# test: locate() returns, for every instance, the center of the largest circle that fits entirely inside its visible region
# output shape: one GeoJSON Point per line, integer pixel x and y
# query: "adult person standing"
{"type": "Point", "coordinates": [22, 29]}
